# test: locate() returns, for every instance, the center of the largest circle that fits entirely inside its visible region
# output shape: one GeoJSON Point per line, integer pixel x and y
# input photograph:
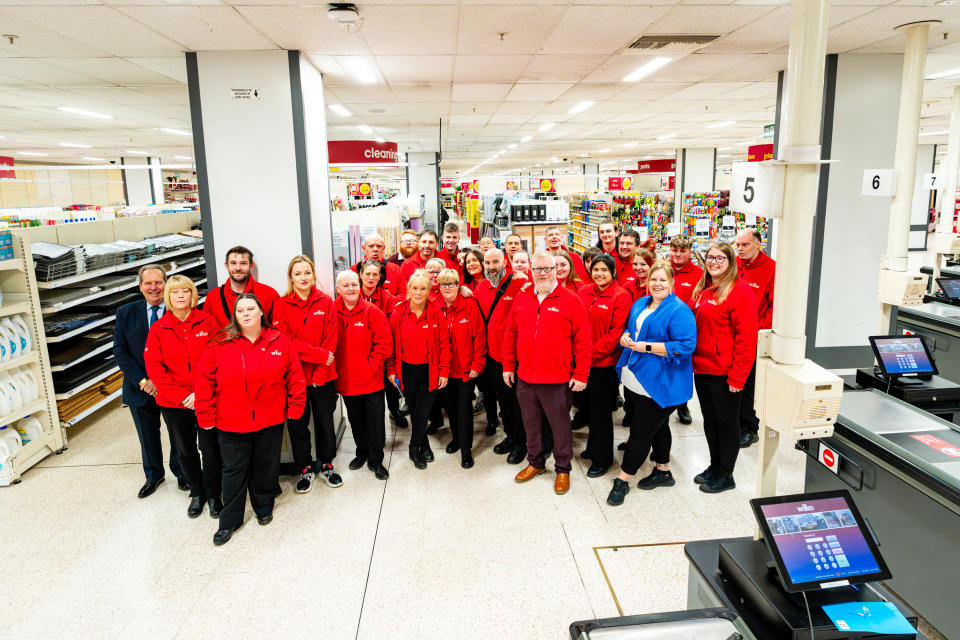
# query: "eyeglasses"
{"type": "Point", "coordinates": [543, 270]}
{"type": "Point", "coordinates": [715, 259]}
{"type": "Point", "coordinates": [447, 285]}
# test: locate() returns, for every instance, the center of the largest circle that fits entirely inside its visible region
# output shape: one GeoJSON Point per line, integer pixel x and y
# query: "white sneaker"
{"type": "Point", "coordinates": [305, 483]}
{"type": "Point", "coordinates": [331, 477]}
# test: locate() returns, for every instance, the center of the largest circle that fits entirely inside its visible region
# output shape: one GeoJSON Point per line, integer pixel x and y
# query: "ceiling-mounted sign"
{"type": "Point", "coordinates": [245, 94]}
{"type": "Point", "coordinates": [548, 185]}
{"type": "Point", "coordinates": [512, 186]}
{"type": "Point", "coordinates": [759, 152]}
{"type": "Point", "coordinates": [656, 166]}
{"type": "Point", "coordinates": [353, 189]}
{"type": "Point", "coordinates": [769, 130]}
{"type": "Point", "coordinates": [619, 183]}
{"type": "Point", "coordinates": [365, 188]}
{"type": "Point", "coordinates": [7, 161]}
{"type": "Point", "coordinates": [475, 186]}
{"type": "Point", "coordinates": [361, 152]}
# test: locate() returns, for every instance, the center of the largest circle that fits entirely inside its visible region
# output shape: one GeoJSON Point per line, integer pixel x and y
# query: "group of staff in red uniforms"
{"type": "Point", "coordinates": [430, 325]}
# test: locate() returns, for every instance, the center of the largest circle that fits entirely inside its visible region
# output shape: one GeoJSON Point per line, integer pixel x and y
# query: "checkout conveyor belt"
{"type": "Point", "coordinates": [902, 465]}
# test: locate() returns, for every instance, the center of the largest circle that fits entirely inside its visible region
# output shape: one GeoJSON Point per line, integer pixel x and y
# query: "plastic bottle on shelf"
{"type": "Point", "coordinates": [26, 341]}
{"type": "Point", "coordinates": [30, 381]}
{"type": "Point", "coordinates": [24, 385]}
{"type": "Point", "coordinates": [10, 442]}
{"type": "Point", "coordinates": [19, 340]}
{"type": "Point", "coordinates": [29, 429]}
{"type": "Point", "coordinates": [10, 394]}
{"type": "Point", "coordinates": [10, 343]}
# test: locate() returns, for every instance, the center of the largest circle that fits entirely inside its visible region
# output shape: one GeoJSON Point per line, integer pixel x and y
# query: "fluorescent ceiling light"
{"type": "Point", "coordinates": [942, 74]}
{"type": "Point", "coordinates": [581, 106]}
{"type": "Point", "coordinates": [667, 137]}
{"type": "Point", "coordinates": [340, 110]}
{"type": "Point", "coordinates": [724, 148]}
{"type": "Point", "coordinates": [742, 143]}
{"type": "Point", "coordinates": [583, 155]}
{"type": "Point", "coordinates": [379, 139]}
{"type": "Point", "coordinates": [546, 126]}
{"type": "Point", "coordinates": [137, 153]}
{"type": "Point", "coordinates": [604, 151]}
{"type": "Point", "coordinates": [183, 158]}
{"type": "Point", "coordinates": [364, 128]}
{"type": "Point", "coordinates": [93, 159]}
{"type": "Point", "coordinates": [647, 69]}
{"type": "Point", "coordinates": [83, 112]}
{"type": "Point", "coordinates": [647, 158]}
{"type": "Point", "coordinates": [74, 145]}
{"type": "Point", "coordinates": [360, 69]}
{"type": "Point", "coordinates": [630, 144]}
{"type": "Point", "coordinates": [503, 150]}
{"type": "Point", "coordinates": [724, 155]}
{"type": "Point", "coordinates": [526, 138]}
{"type": "Point", "coordinates": [724, 123]}
{"type": "Point", "coordinates": [555, 159]}
{"type": "Point", "coordinates": [31, 153]}
{"type": "Point", "coordinates": [511, 146]}
{"type": "Point", "coordinates": [176, 132]}
{"type": "Point", "coordinates": [2, 137]}
{"type": "Point", "coordinates": [935, 133]}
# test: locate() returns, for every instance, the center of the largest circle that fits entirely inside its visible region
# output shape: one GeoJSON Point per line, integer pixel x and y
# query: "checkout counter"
{"type": "Point", "coordinates": [939, 324]}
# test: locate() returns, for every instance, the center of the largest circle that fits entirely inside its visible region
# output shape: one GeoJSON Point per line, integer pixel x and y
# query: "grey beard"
{"type": "Point", "coordinates": [495, 281]}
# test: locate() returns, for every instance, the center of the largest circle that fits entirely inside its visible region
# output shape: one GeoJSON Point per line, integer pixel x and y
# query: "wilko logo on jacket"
{"type": "Point", "coordinates": [554, 309]}
{"type": "Point", "coordinates": [754, 285]}
{"type": "Point", "coordinates": [276, 353]}
{"type": "Point", "coordinates": [319, 313]}
{"type": "Point", "coordinates": [200, 334]}
{"type": "Point", "coordinates": [603, 306]}
{"type": "Point", "coordinates": [358, 324]}
{"type": "Point", "coordinates": [464, 321]}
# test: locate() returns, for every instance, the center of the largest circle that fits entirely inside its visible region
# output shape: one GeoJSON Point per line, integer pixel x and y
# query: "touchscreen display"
{"type": "Point", "coordinates": [951, 288]}
{"type": "Point", "coordinates": [903, 355]}
{"type": "Point", "coordinates": [819, 540]}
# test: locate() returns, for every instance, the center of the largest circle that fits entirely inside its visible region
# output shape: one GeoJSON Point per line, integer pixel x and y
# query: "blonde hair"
{"type": "Point", "coordinates": [421, 276]}
{"type": "Point", "coordinates": [660, 265]}
{"type": "Point", "coordinates": [435, 261]}
{"type": "Point", "coordinates": [293, 261]}
{"type": "Point", "coordinates": [448, 275]}
{"type": "Point", "coordinates": [180, 282]}
{"type": "Point", "coordinates": [724, 283]}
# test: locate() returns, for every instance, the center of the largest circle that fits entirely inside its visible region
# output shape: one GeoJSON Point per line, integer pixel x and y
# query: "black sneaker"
{"type": "Point", "coordinates": [720, 481]}
{"type": "Point", "coordinates": [505, 446]}
{"type": "Point", "coordinates": [305, 483]}
{"type": "Point", "coordinates": [357, 462]}
{"type": "Point", "coordinates": [658, 478]}
{"type": "Point", "coordinates": [416, 456]}
{"type": "Point", "coordinates": [683, 414]}
{"type": "Point", "coordinates": [622, 446]}
{"type": "Point", "coordinates": [620, 489]}
{"type": "Point", "coordinates": [331, 477]}
{"type": "Point", "coordinates": [748, 439]}
{"type": "Point", "coordinates": [704, 476]}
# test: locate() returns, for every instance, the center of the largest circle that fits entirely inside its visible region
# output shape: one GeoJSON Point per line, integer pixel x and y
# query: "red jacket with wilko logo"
{"type": "Point", "coordinates": [451, 260]}
{"type": "Point", "coordinates": [685, 279]}
{"type": "Point", "coordinates": [389, 276]}
{"type": "Point", "coordinates": [381, 299]}
{"type": "Point", "coordinates": [626, 276]}
{"type": "Point", "coordinates": [364, 343]}
{"type": "Point", "coordinates": [245, 386]}
{"type": "Point", "coordinates": [173, 352]}
{"type": "Point", "coordinates": [637, 290]}
{"type": "Point", "coordinates": [312, 325]}
{"type": "Point", "coordinates": [726, 334]}
{"type": "Point", "coordinates": [438, 343]}
{"type": "Point", "coordinates": [468, 336]}
{"type": "Point", "coordinates": [214, 304]}
{"type": "Point", "coordinates": [497, 321]}
{"type": "Point", "coordinates": [550, 339]}
{"type": "Point", "coordinates": [411, 264]}
{"type": "Point", "coordinates": [608, 311]}
{"type": "Point", "coordinates": [760, 275]}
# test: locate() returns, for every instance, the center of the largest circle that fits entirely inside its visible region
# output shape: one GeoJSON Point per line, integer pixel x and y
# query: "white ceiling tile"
{"type": "Point", "coordinates": [706, 90]}
{"type": "Point", "coordinates": [713, 19]}
{"type": "Point", "coordinates": [203, 28]}
{"type": "Point", "coordinates": [37, 41]}
{"type": "Point", "coordinates": [753, 90]}
{"type": "Point", "coordinates": [416, 69]}
{"type": "Point", "coordinates": [167, 94]}
{"type": "Point", "coordinates": [600, 29]}
{"type": "Point", "coordinates": [474, 119]}
{"type": "Point", "coordinates": [509, 118]}
{"type": "Point", "coordinates": [615, 68]}
{"type": "Point", "coordinates": [699, 66]}
{"type": "Point", "coordinates": [491, 68]}
{"type": "Point", "coordinates": [410, 30]}
{"type": "Point", "coordinates": [537, 92]}
{"type": "Point", "coordinates": [114, 70]}
{"type": "Point", "coordinates": [594, 91]}
{"type": "Point", "coordinates": [175, 68]}
{"type": "Point", "coordinates": [304, 29]}
{"type": "Point", "coordinates": [120, 95]}
{"type": "Point", "coordinates": [480, 92]}
{"type": "Point", "coordinates": [40, 72]}
{"type": "Point", "coordinates": [528, 108]}
{"type": "Point", "coordinates": [365, 93]}
{"type": "Point", "coordinates": [425, 109]}
{"type": "Point", "coordinates": [421, 92]}
{"type": "Point", "coordinates": [651, 90]}
{"type": "Point", "coordinates": [467, 108]}
{"type": "Point", "coordinates": [105, 29]}
{"type": "Point", "coordinates": [763, 67]}
{"type": "Point", "coordinates": [525, 28]}
{"type": "Point", "coordinates": [561, 68]}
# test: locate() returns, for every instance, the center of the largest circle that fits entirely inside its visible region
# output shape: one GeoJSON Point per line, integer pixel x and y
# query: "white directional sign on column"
{"type": "Point", "coordinates": [879, 182]}
{"type": "Point", "coordinates": [757, 189]}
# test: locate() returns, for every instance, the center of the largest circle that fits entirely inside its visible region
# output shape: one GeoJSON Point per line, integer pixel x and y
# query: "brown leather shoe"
{"type": "Point", "coordinates": [528, 473]}
{"type": "Point", "coordinates": [562, 484]}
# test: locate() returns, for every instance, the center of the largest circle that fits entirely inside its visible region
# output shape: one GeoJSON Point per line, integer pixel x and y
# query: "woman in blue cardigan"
{"type": "Point", "coordinates": [657, 374]}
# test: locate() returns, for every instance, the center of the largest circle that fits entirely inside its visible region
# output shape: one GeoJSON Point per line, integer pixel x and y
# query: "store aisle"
{"type": "Point", "coordinates": [442, 552]}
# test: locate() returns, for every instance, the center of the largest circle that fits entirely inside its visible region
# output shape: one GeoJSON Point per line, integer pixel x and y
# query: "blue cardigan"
{"type": "Point", "coordinates": [668, 380]}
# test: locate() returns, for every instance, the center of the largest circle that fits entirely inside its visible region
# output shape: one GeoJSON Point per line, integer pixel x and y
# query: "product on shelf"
{"type": "Point", "coordinates": [585, 221]}
{"type": "Point", "coordinates": [649, 211]}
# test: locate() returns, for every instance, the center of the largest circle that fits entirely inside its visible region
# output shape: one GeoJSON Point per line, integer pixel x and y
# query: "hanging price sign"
{"type": "Point", "coordinates": [879, 182]}
{"type": "Point", "coordinates": [548, 185]}
{"type": "Point", "coordinates": [757, 189]}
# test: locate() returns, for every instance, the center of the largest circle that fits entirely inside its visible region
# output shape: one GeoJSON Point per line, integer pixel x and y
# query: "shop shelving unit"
{"type": "Point", "coordinates": [652, 210]}
{"type": "Point", "coordinates": [19, 286]}
{"type": "Point", "coordinates": [708, 208]}
{"type": "Point", "coordinates": [585, 222]}
{"type": "Point", "coordinates": [69, 294]}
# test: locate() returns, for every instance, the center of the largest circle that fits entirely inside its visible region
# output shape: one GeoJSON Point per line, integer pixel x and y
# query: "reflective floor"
{"type": "Point", "coordinates": [445, 552]}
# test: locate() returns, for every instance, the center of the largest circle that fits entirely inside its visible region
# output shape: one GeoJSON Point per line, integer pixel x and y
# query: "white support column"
{"type": "Point", "coordinates": [423, 177]}
{"type": "Point", "coordinates": [950, 168]}
{"type": "Point", "coordinates": [138, 183]}
{"type": "Point", "coordinates": [591, 176]}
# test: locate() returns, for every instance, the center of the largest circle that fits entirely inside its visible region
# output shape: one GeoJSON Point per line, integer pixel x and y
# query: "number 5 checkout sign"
{"type": "Point", "coordinates": [757, 189]}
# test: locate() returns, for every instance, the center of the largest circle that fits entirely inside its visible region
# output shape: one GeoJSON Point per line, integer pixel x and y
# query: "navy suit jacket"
{"type": "Point", "coordinates": [129, 339]}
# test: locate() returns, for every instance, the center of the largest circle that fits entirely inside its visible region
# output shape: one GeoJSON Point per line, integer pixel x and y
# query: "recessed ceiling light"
{"type": "Point", "coordinates": [511, 146]}
{"type": "Point", "coordinates": [183, 157]}
{"type": "Point", "coordinates": [137, 153]}
{"type": "Point", "coordinates": [526, 138]}
{"type": "Point", "coordinates": [31, 153]}
{"type": "Point", "coordinates": [647, 157]}
{"type": "Point", "coordinates": [93, 159]}
{"type": "Point", "coordinates": [84, 112]}
{"type": "Point", "coordinates": [360, 69]}
{"type": "Point", "coordinates": [364, 128]}
{"type": "Point", "coordinates": [935, 133]}
{"type": "Point", "coordinates": [581, 106]}
{"type": "Point", "coordinates": [2, 137]}
{"type": "Point", "coordinates": [583, 155]}
{"type": "Point", "coordinates": [630, 144]}
{"type": "Point", "coordinates": [555, 159]}
{"type": "Point", "coordinates": [604, 151]}
{"type": "Point", "coordinates": [724, 123]}
{"type": "Point", "coordinates": [724, 148]}
{"type": "Point", "coordinates": [74, 145]}
{"type": "Point", "coordinates": [647, 69]}
{"type": "Point", "coordinates": [176, 132]}
{"type": "Point", "coordinates": [546, 126]}
{"type": "Point", "coordinates": [667, 137]}
{"type": "Point", "coordinates": [340, 110]}
{"type": "Point", "coordinates": [379, 139]}
{"type": "Point", "coordinates": [942, 74]}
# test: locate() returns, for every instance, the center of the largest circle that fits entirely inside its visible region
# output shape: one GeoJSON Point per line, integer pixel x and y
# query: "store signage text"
{"type": "Point", "coordinates": [361, 151]}
{"type": "Point", "coordinates": [360, 188]}
{"type": "Point", "coordinates": [757, 189]}
{"type": "Point", "coordinates": [619, 183]}
{"type": "Point", "coordinates": [548, 185]}
{"type": "Point", "coordinates": [759, 152]}
{"type": "Point", "coordinates": [7, 161]}
{"type": "Point", "coordinates": [656, 166]}
{"type": "Point", "coordinates": [245, 94]}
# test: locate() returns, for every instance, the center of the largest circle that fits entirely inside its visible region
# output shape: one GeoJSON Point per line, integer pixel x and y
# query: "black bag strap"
{"type": "Point", "coordinates": [223, 301]}
{"type": "Point", "coordinates": [500, 291]}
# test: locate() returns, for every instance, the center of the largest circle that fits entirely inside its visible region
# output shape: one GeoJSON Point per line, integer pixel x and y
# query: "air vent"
{"type": "Point", "coordinates": [670, 43]}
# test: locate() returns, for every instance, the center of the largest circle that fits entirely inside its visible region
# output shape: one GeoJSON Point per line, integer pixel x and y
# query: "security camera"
{"type": "Point", "coordinates": [564, 159]}
{"type": "Point", "coordinates": [113, 162]}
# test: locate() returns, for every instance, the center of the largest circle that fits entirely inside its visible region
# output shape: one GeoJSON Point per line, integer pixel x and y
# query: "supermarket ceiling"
{"type": "Point", "coordinates": [489, 74]}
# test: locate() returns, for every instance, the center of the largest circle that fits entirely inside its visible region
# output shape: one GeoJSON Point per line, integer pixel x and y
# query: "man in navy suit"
{"type": "Point", "coordinates": [129, 338]}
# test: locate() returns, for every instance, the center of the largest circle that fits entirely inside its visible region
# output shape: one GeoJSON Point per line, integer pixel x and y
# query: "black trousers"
{"type": "Point", "coordinates": [486, 386]}
{"type": "Point", "coordinates": [147, 421]}
{"type": "Point", "coordinates": [721, 419]}
{"type": "Point", "coordinates": [507, 398]}
{"type": "Point", "coordinates": [650, 426]}
{"type": "Point", "coordinates": [436, 411]}
{"type": "Point", "coordinates": [393, 397]}
{"type": "Point", "coordinates": [251, 463]}
{"type": "Point", "coordinates": [203, 477]}
{"type": "Point", "coordinates": [458, 396]}
{"type": "Point", "coordinates": [416, 389]}
{"type": "Point", "coordinates": [321, 401]}
{"type": "Point", "coordinates": [366, 415]}
{"type": "Point", "coordinates": [749, 423]}
{"type": "Point", "coordinates": [602, 388]}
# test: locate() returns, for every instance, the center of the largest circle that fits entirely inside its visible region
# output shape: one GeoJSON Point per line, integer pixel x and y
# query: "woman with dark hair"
{"type": "Point", "coordinates": [588, 257]}
{"type": "Point", "coordinates": [566, 273]}
{"type": "Point", "coordinates": [306, 315]}
{"type": "Point", "coordinates": [472, 268]}
{"type": "Point", "coordinates": [726, 313]}
{"type": "Point", "coordinates": [607, 308]}
{"type": "Point", "coordinates": [248, 384]}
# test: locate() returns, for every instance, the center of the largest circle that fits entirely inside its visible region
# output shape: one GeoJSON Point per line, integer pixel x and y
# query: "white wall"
{"type": "Point", "coordinates": [422, 170]}
{"type": "Point", "coordinates": [318, 172]}
{"type": "Point", "coordinates": [138, 183]}
{"type": "Point", "coordinates": [855, 233]}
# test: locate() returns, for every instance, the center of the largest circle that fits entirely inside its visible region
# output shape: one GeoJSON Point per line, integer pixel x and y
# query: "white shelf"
{"type": "Point", "coordinates": [89, 410]}
{"type": "Point", "coordinates": [22, 412]}
{"type": "Point", "coordinates": [15, 308]}
{"type": "Point", "coordinates": [87, 384]}
{"type": "Point", "coordinates": [79, 330]}
{"type": "Point", "coordinates": [30, 358]}
{"type": "Point", "coordinates": [80, 277]}
{"type": "Point", "coordinates": [11, 263]}
{"type": "Point", "coordinates": [85, 356]}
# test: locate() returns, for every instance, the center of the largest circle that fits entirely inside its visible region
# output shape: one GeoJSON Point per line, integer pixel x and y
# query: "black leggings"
{"type": "Point", "coordinates": [601, 391]}
{"type": "Point", "coordinates": [251, 461]}
{"type": "Point", "coordinates": [416, 389]}
{"type": "Point", "coordinates": [458, 395]}
{"type": "Point", "coordinates": [721, 419]}
{"type": "Point", "coordinates": [320, 403]}
{"type": "Point", "coordinates": [649, 427]}
{"type": "Point", "coordinates": [204, 478]}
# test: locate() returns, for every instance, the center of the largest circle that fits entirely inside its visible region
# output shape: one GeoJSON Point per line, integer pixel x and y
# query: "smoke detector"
{"type": "Point", "coordinates": [344, 13]}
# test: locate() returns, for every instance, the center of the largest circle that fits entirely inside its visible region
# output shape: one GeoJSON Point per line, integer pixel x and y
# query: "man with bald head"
{"type": "Point", "coordinates": [758, 270]}
{"type": "Point", "coordinates": [374, 248]}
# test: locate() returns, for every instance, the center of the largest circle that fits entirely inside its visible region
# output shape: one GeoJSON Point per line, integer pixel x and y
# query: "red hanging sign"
{"type": "Point", "coordinates": [512, 186]}
{"type": "Point", "coordinates": [619, 183]}
{"type": "Point", "coordinates": [7, 161]}
{"type": "Point", "coordinates": [759, 152]}
{"type": "Point", "coordinates": [548, 185]}
{"type": "Point", "coordinates": [353, 188]}
{"type": "Point", "coordinates": [475, 186]}
{"type": "Point", "coordinates": [361, 152]}
{"type": "Point", "coordinates": [656, 166]}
